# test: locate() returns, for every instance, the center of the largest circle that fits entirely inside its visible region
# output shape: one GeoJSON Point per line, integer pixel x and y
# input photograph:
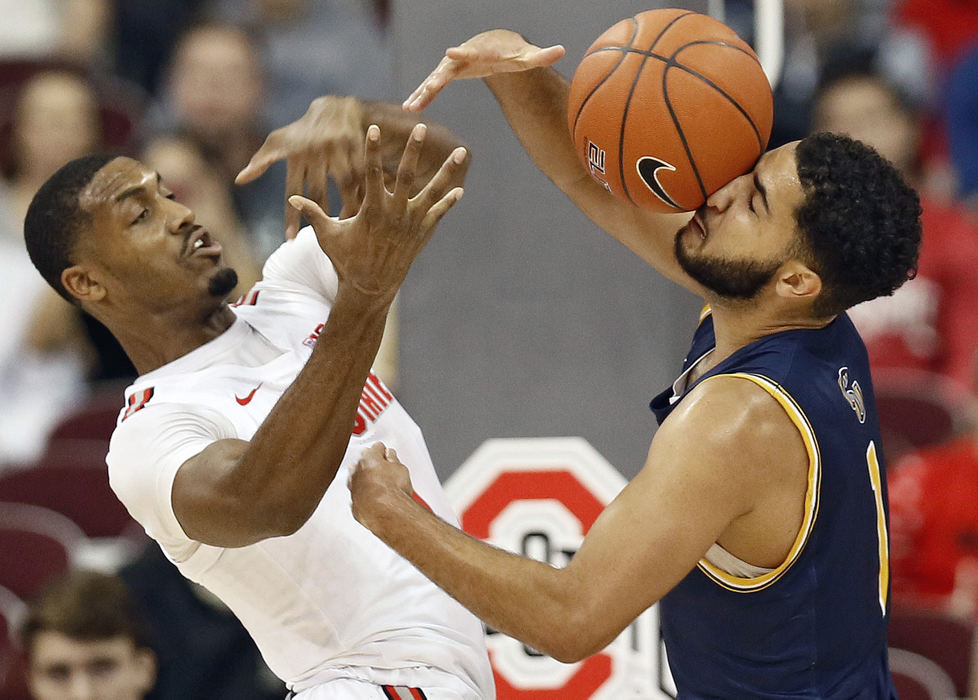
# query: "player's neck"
{"type": "Point", "coordinates": [737, 326]}
{"type": "Point", "coordinates": [160, 340]}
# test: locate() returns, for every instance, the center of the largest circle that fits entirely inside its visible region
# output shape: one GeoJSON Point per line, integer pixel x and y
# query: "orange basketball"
{"type": "Point", "coordinates": [667, 107]}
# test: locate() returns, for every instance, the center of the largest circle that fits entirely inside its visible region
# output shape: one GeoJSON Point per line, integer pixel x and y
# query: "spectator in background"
{"type": "Point", "coordinates": [71, 29]}
{"type": "Point", "coordinates": [54, 120]}
{"type": "Point", "coordinates": [84, 639]}
{"type": "Point", "coordinates": [312, 48]}
{"type": "Point", "coordinates": [191, 172]}
{"type": "Point", "coordinates": [812, 28]}
{"type": "Point", "coordinates": [215, 93]}
{"type": "Point", "coordinates": [930, 323]}
{"type": "Point", "coordinates": [934, 526]}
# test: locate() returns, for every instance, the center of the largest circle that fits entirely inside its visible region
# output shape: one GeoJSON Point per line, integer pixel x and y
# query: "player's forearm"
{"type": "Point", "coordinates": [294, 455]}
{"type": "Point", "coordinates": [535, 104]}
{"type": "Point", "coordinates": [525, 599]}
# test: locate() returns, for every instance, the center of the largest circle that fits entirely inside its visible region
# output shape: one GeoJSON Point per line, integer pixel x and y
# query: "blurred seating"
{"type": "Point", "coordinates": [917, 409]}
{"type": "Point", "coordinates": [918, 678]}
{"type": "Point", "coordinates": [84, 433]}
{"type": "Point", "coordinates": [76, 489]}
{"type": "Point", "coordinates": [121, 104]}
{"type": "Point", "coordinates": [36, 545]}
{"type": "Point", "coordinates": [932, 650]}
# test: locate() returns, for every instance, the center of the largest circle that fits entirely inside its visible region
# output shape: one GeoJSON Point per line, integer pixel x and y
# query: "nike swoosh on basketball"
{"type": "Point", "coordinates": [648, 169]}
{"type": "Point", "coordinates": [247, 399]}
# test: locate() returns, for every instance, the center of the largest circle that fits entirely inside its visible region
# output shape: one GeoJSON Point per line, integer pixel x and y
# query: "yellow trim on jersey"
{"type": "Point", "coordinates": [884, 544]}
{"type": "Point", "coordinates": [704, 312]}
{"type": "Point", "coordinates": [798, 417]}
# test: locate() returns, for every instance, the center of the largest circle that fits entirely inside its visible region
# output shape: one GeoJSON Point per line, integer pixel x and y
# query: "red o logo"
{"type": "Point", "coordinates": [538, 497]}
{"type": "Point", "coordinates": [541, 484]}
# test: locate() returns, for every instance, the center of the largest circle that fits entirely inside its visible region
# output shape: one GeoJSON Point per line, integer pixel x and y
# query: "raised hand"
{"type": "Point", "coordinates": [325, 142]}
{"type": "Point", "coordinates": [373, 250]}
{"type": "Point", "coordinates": [488, 53]}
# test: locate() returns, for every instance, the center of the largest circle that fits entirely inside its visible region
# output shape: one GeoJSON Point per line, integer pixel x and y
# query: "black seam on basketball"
{"type": "Point", "coordinates": [668, 27]}
{"type": "Point", "coordinates": [679, 131]}
{"type": "Point", "coordinates": [628, 102]}
{"type": "Point", "coordinates": [601, 82]}
{"type": "Point", "coordinates": [675, 64]}
{"type": "Point", "coordinates": [672, 63]}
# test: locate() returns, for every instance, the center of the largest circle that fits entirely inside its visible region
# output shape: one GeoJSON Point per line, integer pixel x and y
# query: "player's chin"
{"type": "Point", "coordinates": [222, 282]}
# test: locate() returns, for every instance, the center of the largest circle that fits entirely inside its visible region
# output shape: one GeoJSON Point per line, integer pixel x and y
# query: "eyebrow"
{"type": "Point", "coordinates": [763, 191]}
{"type": "Point", "coordinates": [137, 190]}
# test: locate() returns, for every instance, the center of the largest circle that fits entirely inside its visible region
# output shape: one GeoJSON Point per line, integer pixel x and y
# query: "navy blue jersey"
{"type": "Point", "coordinates": [814, 627]}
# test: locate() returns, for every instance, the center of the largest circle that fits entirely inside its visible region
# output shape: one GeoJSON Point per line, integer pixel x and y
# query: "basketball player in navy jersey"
{"type": "Point", "coordinates": [759, 517]}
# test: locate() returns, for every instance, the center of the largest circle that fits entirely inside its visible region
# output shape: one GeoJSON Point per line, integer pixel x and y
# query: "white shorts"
{"type": "Point", "coordinates": [444, 688]}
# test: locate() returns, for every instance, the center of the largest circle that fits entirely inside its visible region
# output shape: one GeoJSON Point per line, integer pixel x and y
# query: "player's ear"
{"type": "Point", "coordinates": [798, 281]}
{"type": "Point", "coordinates": [80, 283]}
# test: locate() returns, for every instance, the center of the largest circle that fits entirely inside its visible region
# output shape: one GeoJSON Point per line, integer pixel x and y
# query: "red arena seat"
{"type": "Point", "coordinates": [36, 546]}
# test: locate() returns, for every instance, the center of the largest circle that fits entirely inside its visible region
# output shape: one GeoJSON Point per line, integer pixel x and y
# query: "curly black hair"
{"type": "Point", "coordinates": [55, 217]}
{"type": "Point", "coordinates": [859, 223]}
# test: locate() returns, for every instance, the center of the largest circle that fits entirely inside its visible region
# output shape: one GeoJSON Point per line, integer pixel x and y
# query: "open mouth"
{"type": "Point", "coordinates": [200, 241]}
{"type": "Point", "coordinates": [697, 222]}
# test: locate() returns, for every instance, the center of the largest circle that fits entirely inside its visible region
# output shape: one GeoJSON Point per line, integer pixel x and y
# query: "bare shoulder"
{"type": "Point", "coordinates": [736, 425]}
{"type": "Point", "coordinates": [733, 442]}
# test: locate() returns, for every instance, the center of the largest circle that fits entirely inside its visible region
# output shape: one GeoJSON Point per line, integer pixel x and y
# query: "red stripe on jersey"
{"type": "Point", "coordinates": [249, 299]}
{"type": "Point", "coordinates": [136, 404]}
{"type": "Point", "coordinates": [402, 692]}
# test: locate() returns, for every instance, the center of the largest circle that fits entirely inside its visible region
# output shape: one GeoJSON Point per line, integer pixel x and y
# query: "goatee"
{"type": "Point", "coordinates": [728, 278]}
{"type": "Point", "coordinates": [222, 283]}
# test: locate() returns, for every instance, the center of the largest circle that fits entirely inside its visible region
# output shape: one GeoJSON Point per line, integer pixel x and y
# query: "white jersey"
{"type": "Point", "coordinates": [330, 601]}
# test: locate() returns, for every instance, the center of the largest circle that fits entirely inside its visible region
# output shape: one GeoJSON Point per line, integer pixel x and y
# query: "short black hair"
{"type": "Point", "coordinates": [87, 606]}
{"type": "Point", "coordinates": [55, 218]}
{"type": "Point", "coordinates": [860, 222]}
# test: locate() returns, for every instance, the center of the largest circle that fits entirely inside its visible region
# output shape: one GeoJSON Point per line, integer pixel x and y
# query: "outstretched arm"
{"type": "Point", "coordinates": [691, 493]}
{"type": "Point", "coordinates": [327, 141]}
{"type": "Point", "coordinates": [533, 97]}
{"type": "Point", "coordinates": [235, 492]}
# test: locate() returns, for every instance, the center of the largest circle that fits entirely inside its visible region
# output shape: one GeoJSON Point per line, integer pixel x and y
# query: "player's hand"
{"type": "Point", "coordinates": [375, 482]}
{"type": "Point", "coordinates": [373, 250]}
{"type": "Point", "coordinates": [488, 53]}
{"type": "Point", "coordinates": [327, 141]}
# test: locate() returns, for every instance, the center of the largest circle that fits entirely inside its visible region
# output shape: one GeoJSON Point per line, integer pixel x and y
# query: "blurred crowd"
{"type": "Point", "coordinates": [193, 86]}
{"type": "Point", "coordinates": [190, 86]}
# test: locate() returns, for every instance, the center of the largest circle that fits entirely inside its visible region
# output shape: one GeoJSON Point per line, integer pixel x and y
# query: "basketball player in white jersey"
{"type": "Point", "coordinates": [235, 443]}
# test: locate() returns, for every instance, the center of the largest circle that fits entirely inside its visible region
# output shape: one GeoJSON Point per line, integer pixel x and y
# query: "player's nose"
{"type": "Point", "coordinates": [178, 216]}
{"type": "Point", "coordinates": [725, 196]}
